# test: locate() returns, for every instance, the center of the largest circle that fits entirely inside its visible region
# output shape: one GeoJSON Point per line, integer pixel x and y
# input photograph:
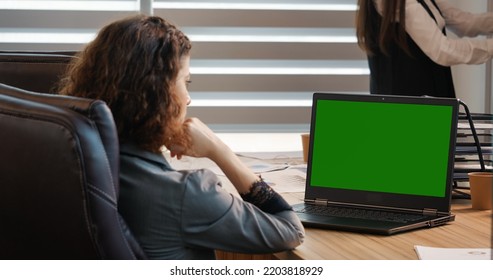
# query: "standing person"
{"type": "Point", "coordinates": [140, 67]}
{"type": "Point", "coordinates": [408, 50]}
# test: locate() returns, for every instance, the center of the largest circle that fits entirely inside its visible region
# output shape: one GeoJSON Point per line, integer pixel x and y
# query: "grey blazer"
{"type": "Point", "coordinates": [188, 214]}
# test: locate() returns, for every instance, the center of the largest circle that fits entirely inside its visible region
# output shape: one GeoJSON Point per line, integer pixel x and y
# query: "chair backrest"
{"type": "Point", "coordinates": [59, 164]}
{"type": "Point", "coordinates": [34, 71]}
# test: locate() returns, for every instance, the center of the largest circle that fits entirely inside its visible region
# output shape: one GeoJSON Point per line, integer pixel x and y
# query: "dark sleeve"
{"type": "Point", "coordinates": [265, 198]}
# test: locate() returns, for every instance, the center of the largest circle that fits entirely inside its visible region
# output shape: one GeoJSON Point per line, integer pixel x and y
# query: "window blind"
{"type": "Point", "coordinates": [255, 64]}
{"type": "Point", "coordinates": [58, 24]}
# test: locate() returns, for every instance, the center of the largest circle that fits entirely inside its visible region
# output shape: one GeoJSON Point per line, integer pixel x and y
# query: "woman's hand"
{"type": "Point", "coordinates": [204, 143]}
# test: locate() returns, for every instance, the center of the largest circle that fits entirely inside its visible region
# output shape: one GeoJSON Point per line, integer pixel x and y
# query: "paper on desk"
{"type": "Point", "coordinates": [282, 177]}
{"type": "Point", "coordinates": [257, 167]}
{"type": "Point", "coordinates": [272, 155]}
{"type": "Point", "coordinates": [433, 253]}
{"type": "Point", "coordinates": [288, 180]}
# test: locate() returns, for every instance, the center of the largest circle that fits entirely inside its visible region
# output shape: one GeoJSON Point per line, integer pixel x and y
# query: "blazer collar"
{"type": "Point", "coordinates": [133, 150]}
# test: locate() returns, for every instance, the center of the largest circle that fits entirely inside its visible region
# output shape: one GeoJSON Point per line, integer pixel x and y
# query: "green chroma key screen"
{"type": "Point", "coordinates": [381, 147]}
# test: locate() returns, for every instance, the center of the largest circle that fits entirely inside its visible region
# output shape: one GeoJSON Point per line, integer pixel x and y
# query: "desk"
{"type": "Point", "coordinates": [471, 229]}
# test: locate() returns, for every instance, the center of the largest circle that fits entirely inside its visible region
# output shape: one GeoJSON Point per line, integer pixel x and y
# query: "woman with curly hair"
{"type": "Point", "coordinates": [140, 67]}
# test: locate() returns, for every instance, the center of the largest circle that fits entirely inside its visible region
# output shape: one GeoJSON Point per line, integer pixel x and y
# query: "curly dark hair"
{"type": "Point", "coordinates": [132, 65]}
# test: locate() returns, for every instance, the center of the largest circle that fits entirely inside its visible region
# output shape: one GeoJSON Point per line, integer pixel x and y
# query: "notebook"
{"type": "Point", "coordinates": [379, 156]}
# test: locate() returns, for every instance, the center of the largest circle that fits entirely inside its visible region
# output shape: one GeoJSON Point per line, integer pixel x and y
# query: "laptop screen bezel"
{"type": "Point", "coordinates": [379, 199]}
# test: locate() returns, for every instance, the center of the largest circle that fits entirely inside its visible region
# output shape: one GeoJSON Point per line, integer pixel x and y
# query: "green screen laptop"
{"type": "Point", "coordinates": [379, 164]}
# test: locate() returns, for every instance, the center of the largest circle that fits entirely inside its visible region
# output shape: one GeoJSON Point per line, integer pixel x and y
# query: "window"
{"type": "Point", "coordinates": [255, 63]}
{"type": "Point", "coordinates": [56, 25]}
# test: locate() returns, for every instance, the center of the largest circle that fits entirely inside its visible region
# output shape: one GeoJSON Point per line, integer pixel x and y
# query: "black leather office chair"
{"type": "Point", "coordinates": [34, 71]}
{"type": "Point", "coordinates": [59, 164]}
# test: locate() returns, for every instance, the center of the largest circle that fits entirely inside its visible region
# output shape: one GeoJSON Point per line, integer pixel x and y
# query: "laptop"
{"type": "Point", "coordinates": [379, 164]}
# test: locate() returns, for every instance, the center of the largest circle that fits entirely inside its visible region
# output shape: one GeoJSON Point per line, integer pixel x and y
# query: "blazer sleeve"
{"type": "Point", "coordinates": [214, 218]}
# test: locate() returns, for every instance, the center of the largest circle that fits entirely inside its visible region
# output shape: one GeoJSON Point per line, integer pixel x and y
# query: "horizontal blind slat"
{"type": "Point", "coordinates": [255, 63]}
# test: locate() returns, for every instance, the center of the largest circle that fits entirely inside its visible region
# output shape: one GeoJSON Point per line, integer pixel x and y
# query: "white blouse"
{"type": "Point", "coordinates": [443, 50]}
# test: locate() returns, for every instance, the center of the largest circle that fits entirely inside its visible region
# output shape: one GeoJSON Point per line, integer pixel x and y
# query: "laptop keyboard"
{"type": "Point", "coordinates": [359, 213]}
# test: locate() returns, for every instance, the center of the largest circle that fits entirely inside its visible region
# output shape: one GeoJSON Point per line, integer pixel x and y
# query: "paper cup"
{"type": "Point", "coordinates": [481, 185]}
{"type": "Point", "coordinates": [305, 141]}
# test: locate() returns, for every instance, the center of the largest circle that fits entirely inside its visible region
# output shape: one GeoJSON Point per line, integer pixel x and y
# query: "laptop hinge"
{"type": "Point", "coordinates": [319, 201]}
{"type": "Point", "coordinates": [429, 212]}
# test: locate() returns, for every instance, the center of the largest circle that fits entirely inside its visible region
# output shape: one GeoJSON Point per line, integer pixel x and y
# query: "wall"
{"type": "Point", "coordinates": [471, 81]}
